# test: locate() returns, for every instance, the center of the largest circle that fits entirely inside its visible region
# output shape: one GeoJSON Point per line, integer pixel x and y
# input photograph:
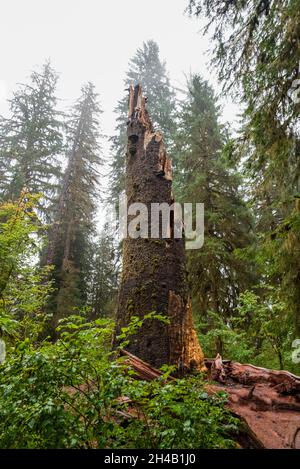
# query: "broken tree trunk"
{"type": "Point", "coordinates": [266, 401]}
{"type": "Point", "coordinates": [154, 270]}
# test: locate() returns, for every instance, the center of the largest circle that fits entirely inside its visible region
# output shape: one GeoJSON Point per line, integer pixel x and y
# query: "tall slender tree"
{"type": "Point", "coordinates": [257, 55]}
{"type": "Point", "coordinates": [217, 273]}
{"type": "Point", "coordinates": [146, 68]}
{"type": "Point", "coordinates": [70, 236]}
{"type": "Point", "coordinates": [31, 139]}
{"type": "Point", "coordinates": [103, 281]}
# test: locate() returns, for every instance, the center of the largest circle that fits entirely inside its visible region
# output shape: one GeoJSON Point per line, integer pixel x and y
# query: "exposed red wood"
{"type": "Point", "coordinates": [144, 370]}
{"type": "Point", "coordinates": [266, 401]}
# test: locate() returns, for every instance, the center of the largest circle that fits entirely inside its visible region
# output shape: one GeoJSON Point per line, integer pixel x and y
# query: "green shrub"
{"type": "Point", "coordinates": [77, 394]}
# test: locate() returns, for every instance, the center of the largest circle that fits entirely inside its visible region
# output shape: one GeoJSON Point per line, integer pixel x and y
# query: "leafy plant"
{"type": "Point", "coordinates": [77, 393]}
{"type": "Point", "coordinates": [259, 332]}
{"type": "Point", "coordinates": [23, 285]}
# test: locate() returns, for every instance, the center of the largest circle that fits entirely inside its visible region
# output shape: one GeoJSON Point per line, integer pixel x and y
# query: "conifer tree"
{"type": "Point", "coordinates": [217, 274]}
{"type": "Point", "coordinates": [257, 56]}
{"type": "Point", "coordinates": [103, 281]}
{"type": "Point", "coordinates": [70, 249]}
{"type": "Point", "coordinates": [31, 139]}
{"type": "Point", "coordinates": [147, 69]}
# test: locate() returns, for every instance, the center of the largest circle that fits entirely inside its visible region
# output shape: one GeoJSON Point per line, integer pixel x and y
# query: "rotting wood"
{"type": "Point", "coordinates": [270, 414]}
{"type": "Point", "coordinates": [154, 272]}
{"type": "Point", "coordinates": [217, 369]}
{"type": "Point", "coordinates": [283, 382]}
{"type": "Point", "coordinates": [143, 370]}
{"type": "Point", "coordinates": [267, 400]}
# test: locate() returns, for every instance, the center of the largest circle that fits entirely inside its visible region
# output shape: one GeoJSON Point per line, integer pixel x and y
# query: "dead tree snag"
{"type": "Point", "coordinates": [154, 270]}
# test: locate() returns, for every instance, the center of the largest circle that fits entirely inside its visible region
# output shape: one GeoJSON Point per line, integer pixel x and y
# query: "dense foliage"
{"type": "Point", "coordinates": [31, 139]}
{"type": "Point", "coordinates": [61, 386]}
{"type": "Point", "coordinates": [217, 273]}
{"type": "Point", "coordinates": [24, 287]}
{"type": "Point", "coordinates": [70, 236]}
{"type": "Point", "coordinates": [256, 53]}
{"type": "Point", "coordinates": [76, 394]}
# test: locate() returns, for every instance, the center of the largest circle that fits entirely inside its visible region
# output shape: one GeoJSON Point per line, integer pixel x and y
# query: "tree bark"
{"type": "Point", "coordinates": [154, 270]}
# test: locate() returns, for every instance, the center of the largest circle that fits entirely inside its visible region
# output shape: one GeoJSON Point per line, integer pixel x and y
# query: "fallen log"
{"type": "Point", "coordinates": [143, 370]}
{"type": "Point", "coordinates": [284, 381]}
{"type": "Point", "coordinates": [266, 401]}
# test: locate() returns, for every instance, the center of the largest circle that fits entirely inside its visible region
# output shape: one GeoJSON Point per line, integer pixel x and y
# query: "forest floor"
{"type": "Point", "coordinates": [266, 401]}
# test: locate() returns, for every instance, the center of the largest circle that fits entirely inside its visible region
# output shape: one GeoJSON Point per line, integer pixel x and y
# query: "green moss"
{"type": "Point", "coordinates": [155, 261]}
{"type": "Point", "coordinates": [139, 290]}
{"type": "Point", "coordinates": [159, 242]}
{"type": "Point", "coordinates": [130, 306]}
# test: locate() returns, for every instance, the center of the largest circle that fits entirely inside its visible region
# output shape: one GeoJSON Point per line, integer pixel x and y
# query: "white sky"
{"type": "Point", "coordinates": [93, 40]}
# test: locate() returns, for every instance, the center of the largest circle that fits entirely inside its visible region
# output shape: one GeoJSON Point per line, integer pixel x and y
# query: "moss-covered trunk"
{"type": "Point", "coordinates": [154, 269]}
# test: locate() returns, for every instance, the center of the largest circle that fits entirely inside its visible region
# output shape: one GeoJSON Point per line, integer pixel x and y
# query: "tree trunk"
{"type": "Point", "coordinates": [154, 270]}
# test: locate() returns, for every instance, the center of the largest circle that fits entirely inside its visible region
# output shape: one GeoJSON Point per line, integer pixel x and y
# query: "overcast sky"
{"type": "Point", "coordinates": [93, 40]}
